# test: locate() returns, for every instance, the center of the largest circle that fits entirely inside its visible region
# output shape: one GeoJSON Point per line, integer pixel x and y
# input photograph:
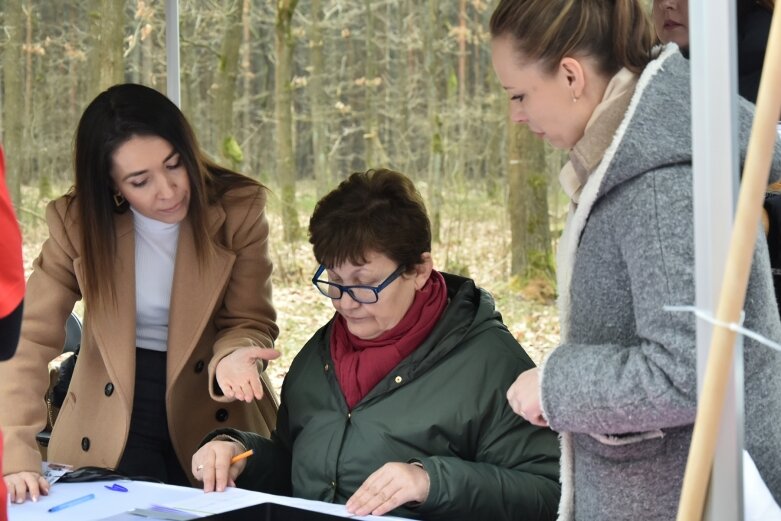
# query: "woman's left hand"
{"type": "Point", "coordinates": [237, 374]}
{"type": "Point", "coordinates": [524, 397]}
{"type": "Point", "coordinates": [393, 485]}
{"type": "Point", "coordinates": [212, 465]}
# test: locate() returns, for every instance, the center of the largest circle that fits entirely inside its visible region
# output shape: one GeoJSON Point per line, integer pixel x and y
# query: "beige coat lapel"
{"type": "Point", "coordinates": [114, 328]}
{"type": "Point", "coordinates": [195, 291]}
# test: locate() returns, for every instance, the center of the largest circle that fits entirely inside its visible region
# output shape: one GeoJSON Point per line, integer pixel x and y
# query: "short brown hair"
{"type": "Point", "coordinates": [378, 210]}
{"type": "Point", "coordinates": [617, 33]}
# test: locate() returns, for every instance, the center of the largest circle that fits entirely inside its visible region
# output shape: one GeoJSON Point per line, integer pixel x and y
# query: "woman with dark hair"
{"type": "Point", "coordinates": [169, 253]}
{"type": "Point", "coordinates": [396, 403]}
{"type": "Point", "coordinates": [622, 385]}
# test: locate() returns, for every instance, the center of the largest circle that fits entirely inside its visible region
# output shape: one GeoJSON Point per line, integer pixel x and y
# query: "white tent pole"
{"type": "Point", "coordinates": [712, 40]}
{"type": "Point", "coordinates": [172, 50]}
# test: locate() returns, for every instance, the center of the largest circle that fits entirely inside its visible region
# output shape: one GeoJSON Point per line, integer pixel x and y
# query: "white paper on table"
{"type": "Point", "coordinates": [107, 503]}
{"type": "Point", "coordinates": [235, 498]}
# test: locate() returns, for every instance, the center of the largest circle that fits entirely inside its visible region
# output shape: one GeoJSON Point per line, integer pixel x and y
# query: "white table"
{"type": "Point", "coordinates": [109, 504]}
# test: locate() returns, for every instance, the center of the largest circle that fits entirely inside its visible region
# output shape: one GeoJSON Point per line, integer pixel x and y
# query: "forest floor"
{"type": "Point", "coordinates": [474, 241]}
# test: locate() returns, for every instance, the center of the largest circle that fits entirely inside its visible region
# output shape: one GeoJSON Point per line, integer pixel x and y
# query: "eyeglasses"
{"type": "Point", "coordinates": [361, 294]}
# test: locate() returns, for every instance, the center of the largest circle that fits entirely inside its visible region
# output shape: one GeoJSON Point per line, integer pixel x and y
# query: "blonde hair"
{"type": "Point", "coordinates": [616, 33]}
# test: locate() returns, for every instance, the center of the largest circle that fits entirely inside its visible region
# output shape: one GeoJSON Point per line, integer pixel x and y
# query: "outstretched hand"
{"type": "Point", "coordinates": [393, 485]}
{"type": "Point", "coordinates": [237, 374]}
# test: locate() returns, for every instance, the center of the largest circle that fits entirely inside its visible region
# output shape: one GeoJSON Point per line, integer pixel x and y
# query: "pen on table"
{"type": "Point", "coordinates": [239, 457]}
{"type": "Point", "coordinates": [72, 502]}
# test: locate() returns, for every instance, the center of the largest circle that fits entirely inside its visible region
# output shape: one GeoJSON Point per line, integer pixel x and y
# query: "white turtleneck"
{"type": "Point", "coordinates": [155, 256]}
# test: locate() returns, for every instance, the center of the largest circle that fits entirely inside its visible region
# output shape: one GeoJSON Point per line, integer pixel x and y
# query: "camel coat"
{"type": "Point", "coordinates": [214, 310]}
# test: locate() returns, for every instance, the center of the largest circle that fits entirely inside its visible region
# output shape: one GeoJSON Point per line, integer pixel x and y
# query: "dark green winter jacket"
{"type": "Point", "coordinates": [444, 405]}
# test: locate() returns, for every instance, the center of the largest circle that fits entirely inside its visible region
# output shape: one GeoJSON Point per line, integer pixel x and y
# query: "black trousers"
{"type": "Point", "coordinates": [149, 451]}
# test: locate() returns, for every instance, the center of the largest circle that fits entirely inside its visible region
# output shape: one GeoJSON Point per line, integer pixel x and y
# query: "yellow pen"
{"type": "Point", "coordinates": [239, 457]}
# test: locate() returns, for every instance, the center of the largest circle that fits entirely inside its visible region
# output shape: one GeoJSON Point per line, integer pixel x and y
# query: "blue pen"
{"type": "Point", "coordinates": [72, 502]}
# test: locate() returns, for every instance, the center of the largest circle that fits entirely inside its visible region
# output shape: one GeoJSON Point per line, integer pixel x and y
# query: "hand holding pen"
{"type": "Point", "coordinates": [218, 463]}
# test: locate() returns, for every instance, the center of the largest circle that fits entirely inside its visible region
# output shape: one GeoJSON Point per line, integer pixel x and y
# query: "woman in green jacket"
{"type": "Point", "coordinates": [398, 403]}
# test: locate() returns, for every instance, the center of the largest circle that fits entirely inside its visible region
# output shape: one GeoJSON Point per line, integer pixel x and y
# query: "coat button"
{"type": "Point", "coordinates": [85, 444]}
{"type": "Point", "coordinates": [199, 366]}
{"type": "Point", "coordinates": [222, 415]}
{"type": "Point", "coordinates": [326, 367]}
{"type": "Point", "coordinates": [397, 379]}
{"type": "Point", "coordinates": [109, 389]}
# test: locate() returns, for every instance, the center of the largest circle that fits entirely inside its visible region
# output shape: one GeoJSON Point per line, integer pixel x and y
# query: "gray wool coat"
{"type": "Point", "coordinates": [622, 386]}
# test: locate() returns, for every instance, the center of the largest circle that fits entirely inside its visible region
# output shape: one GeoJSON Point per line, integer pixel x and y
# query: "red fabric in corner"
{"type": "Point", "coordinates": [11, 267]}
{"type": "Point", "coordinates": [11, 285]}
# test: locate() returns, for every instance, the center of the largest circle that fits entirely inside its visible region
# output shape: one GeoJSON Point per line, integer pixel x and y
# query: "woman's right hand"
{"type": "Point", "coordinates": [212, 465]}
{"type": "Point", "coordinates": [237, 373]}
{"type": "Point", "coordinates": [20, 484]}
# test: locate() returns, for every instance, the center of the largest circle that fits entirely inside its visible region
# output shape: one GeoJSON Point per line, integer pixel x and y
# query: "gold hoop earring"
{"type": "Point", "coordinates": [119, 199]}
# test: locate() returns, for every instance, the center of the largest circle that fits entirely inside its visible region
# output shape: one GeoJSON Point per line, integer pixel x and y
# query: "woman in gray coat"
{"type": "Point", "coordinates": [621, 388]}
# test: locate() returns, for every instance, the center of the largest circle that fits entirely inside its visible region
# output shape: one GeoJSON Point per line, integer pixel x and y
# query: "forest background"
{"type": "Point", "coordinates": [299, 94]}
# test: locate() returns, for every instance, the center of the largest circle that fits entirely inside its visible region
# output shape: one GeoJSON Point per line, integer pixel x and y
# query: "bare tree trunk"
{"type": "Point", "coordinates": [189, 99]}
{"type": "Point", "coordinates": [35, 157]}
{"type": "Point", "coordinates": [403, 152]}
{"type": "Point", "coordinates": [146, 52]}
{"type": "Point", "coordinates": [318, 102]}
{"type": "Point", "coordinates": [225, 88]}
{"type": "Point", "coordinates": [245, 118]}
{"type": "Point", "coordinates": [496, 142]}
{"type": "Point", "coordinates": [370, 135]}
{"type": "Point", "coordinates": [283, 75]}
{"type": "Point", "coordinates": [75, 72]}
{"type": "Point", "coordinates": [27, 135]}
{"type": "Point", "coordinates": [13, 116]}
{"type": "Point", "coordinates": [463, 140]}
{"type": "Point", "coordinates": [107, 28]}
{"type": "Point", "coordinates": [388, 125]}
{"type": "Point", "coordinates": [528, 206]}
{"type": "Point", "coordinates": [436, 157]}
{"type": "Point", "coordinates": [461, 52]}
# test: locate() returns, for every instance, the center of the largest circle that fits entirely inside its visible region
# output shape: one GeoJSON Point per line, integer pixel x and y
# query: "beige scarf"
{"type": "Point", "coordinates": [600, 129]}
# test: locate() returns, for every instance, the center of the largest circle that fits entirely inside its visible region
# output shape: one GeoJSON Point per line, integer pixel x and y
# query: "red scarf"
{"type": "Point", "coordinates": [361, 364]}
